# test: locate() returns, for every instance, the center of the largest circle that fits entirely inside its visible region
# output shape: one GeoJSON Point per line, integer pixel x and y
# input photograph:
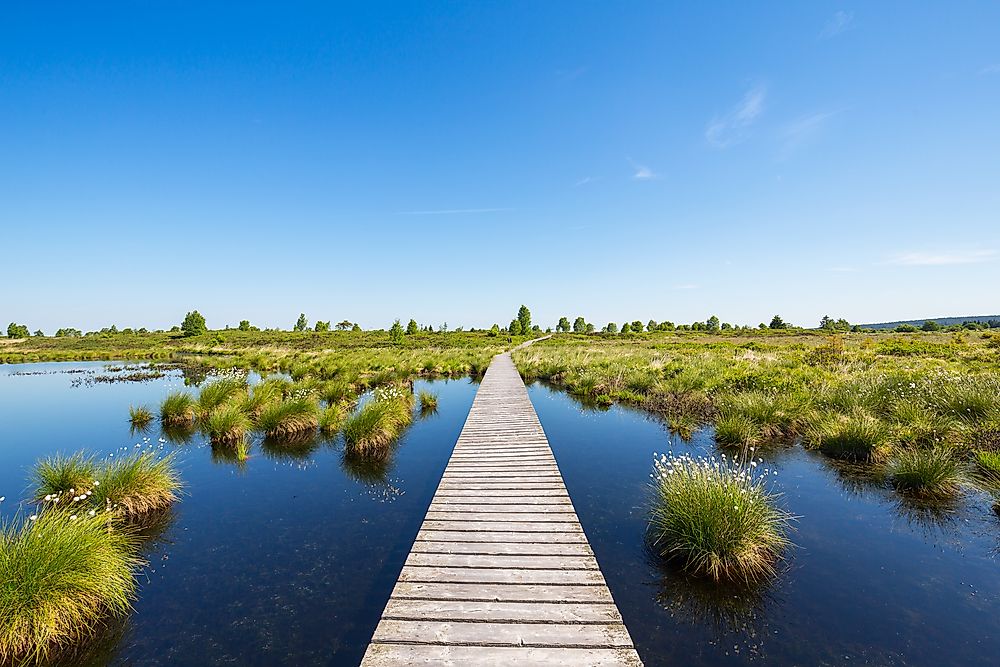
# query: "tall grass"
{"type": "Point", "coordinates": [379, 422]}
{"type": "Point", "coordinates": [139, 416]}
{"type": "Point", "coordinates": [717, 517]}
{"type": "Point", "coordinates": [262, 395]}
{"type": "Point", "coordinates": [177, 409]}
{"type": "Point", "coordinates": [137, 484]}
{"type": "Point", "coordinates": [929, 473]}
{"type": "Point", "coordinates": [73, 475]}
{"type": "Point", "coordinates": [428, 402]}
{"type": "Point", "coordinates": [289, 417]}
{"type": "Point", "coordinates": [213, 396]}
{"type": "Point", "coordinates": [60, 575]}
{"type": "Point", "coordinates": [332, 418]}
{"type": "Point", "coordinates": [227, 423]}
{"type": "Point", "coordinates": [988, 466]}
{"type": "Point", "coordinates": [853, 438]}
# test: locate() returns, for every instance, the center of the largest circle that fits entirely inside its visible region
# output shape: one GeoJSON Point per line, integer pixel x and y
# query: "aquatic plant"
{"type": "Point", "coordinates": [215, 395]}
{"type": "Point", "coordinates": [61, 574]}
{"type": "Point", "coordinates": [335, 391]}
{"type": "Point", "coordinates": [227, 423]}
{"type": "Point", "coordinates": [332, 418]}
{"type": "Point", "coordinates": [289, 417]}
{"type": "Point", "coordinates": [737, 430]}
{"type": "Point", "coordinates": [260, 396]}
{"type": "Point", "coordinates": [177, 409]}
{"type": "Point", "coordinates": [379, 422]}
{"type": "Point", "coordinates": [428, 402]}
{"type": "Point", "coordinates": [73, 475]}
{"type": "Point", "coordinates": [134, 485]}
{"type": "Point", "coordinates": [139, 416]}
{"type": "Point", "coordinates": [929, 473]}
{"type": "Point", "coordinates": [717, 516]}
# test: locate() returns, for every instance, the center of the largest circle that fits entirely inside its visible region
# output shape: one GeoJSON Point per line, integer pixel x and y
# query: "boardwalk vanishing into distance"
{"type": "Point", "coordinates": [501, 572]}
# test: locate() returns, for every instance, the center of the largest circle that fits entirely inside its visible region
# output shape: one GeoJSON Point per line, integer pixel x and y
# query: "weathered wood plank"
{"type": "Point", "coordinates": [500, 592]}
{"type": "Point", "coordinates": [548, 562]}
{"type": "Point", "coordinates": [503, 548]}
{"type": "Point", "coordinates": [610, 635]}
{"type": "Point", "coordinates": [504, 612]}
{"type": "Point", "coordinates": [379, 655]}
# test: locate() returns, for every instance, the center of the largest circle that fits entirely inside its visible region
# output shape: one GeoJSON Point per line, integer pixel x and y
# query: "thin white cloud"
{"type": "Point", "coordinates": [724, 131]}
{"type": "Point", "coordinates": [642, 173]}
{"type": "Point", "coordinates": [947, 258]}
{"type": "Point", "coordinates": [450, 211]}
{"type": "Point", "coordinates": [803, 131]}
{"type": "Point", "coordinates": [838, 23]}
{"type": "Point", "coordinates": [991, 69]}
{"type": "Point", "coordinates": [584, 181]}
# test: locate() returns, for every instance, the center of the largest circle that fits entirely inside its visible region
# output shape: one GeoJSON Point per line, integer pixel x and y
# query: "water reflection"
{"type": "Point", "coordinates": [296, 447]}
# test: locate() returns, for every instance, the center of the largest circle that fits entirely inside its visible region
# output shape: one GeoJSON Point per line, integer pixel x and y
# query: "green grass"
{"type": "Point", "coordinates": [332, 418]}
{"type": "Point", "coordinates": [336, 391]}
{"type": "Point", "coordinates": [294, 416]}
{"type": "Point", "coordinates": [717, 518]}
{"type": "Point", "coordinates": [227, 423]}
{"type": "Point", "coordinates": [988, 465]}
{"type": "Point", "coordinates": [139, 416]}
{"type": "Point", "coordinates": [378, 423]}
{"type": "Point", "coordinates": [61, 474]}
{"type": "Point", "coordinates": [61, 575]}
{"type": "Point", "coordinates": [428, 402]}
{"type": "Point", "coordinates": [135, 485]}
{"type": "Point", "coordinates": [858, 438]}
{"type": "Point", "coordinates": [262, 395]}
{"type": "Point", "coordinates": [177, 409]}
{"type": "Point", "coordinates": [733, 430]}
{"type": "Point", "coordinates": [216, 394]}
{"type": "Point", "coordinates": [928, 473]}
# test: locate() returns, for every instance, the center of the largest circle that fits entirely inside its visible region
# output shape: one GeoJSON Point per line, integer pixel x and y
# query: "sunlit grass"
{"type": "Point", "coordinates": [72, 474]}
{"type": "Point", "coordinates": [929, 473]}
{"type": "Point", "coordinates": [379, 422]}
{"type": "Point", "coordinates": [289, 417]}
{"type": "Point", "coordinates": [216, 394]}
{"type": "Point", "coordinates": [227, 423]}
{"type": "Point", "coordinates": [427, 401]}
{"type": "Point", "coordinates": [139, 416]}
{"type": "Point", "coordinates": [177, 409]}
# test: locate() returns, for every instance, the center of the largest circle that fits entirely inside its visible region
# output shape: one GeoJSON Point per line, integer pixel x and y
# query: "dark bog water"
{"type": "Point", "coordinates": [290, 558]}
{"type": "Point", "coordinates": [873, 580]}
{"type": "Point", "coordinates": [286, 560]}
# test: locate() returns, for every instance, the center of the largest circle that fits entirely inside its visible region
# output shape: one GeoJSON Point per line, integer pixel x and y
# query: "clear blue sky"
{"type": "Point", "coordinates": [451, 161]}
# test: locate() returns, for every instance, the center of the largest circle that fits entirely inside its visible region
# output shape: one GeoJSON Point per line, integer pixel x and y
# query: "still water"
{"type": "Point", "coordinates": [290, 558]}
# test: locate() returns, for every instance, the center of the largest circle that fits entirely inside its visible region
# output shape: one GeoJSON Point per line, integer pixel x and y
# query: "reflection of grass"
{"type": "Point", "coordinates": [292, 447]}
{"type": "Point", "coordinates": [237, 452]}
{"type": "Point", "coordinates": [366, 469]}
{"type": "Point", "coordinates": [60, 575]}
{"type": "Point", "coordinates": [717, 517]}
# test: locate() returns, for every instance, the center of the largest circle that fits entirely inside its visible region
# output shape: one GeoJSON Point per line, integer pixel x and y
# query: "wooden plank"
{"type": "Point", "coordinates": [501, 572]}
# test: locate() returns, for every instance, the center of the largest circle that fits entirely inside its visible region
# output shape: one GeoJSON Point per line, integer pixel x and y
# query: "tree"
{"type": "Point", "coordinates": [524, 317]}
{"type": "Point", "coordinates": [302, 323]}
{"type": "Point", "coordinates": [777, 323]}
{"type": "Point", "coordinates": [39, 333]}
{"type": "Point", "coordinates": [244, 325]}
{"type": "Point", "coordinates": [712, 323]}
{"type": "Point", "coordinates": [396, 332]}
{"type": "Point", "coordinates": [826, 322]}
{"type": "Point", "coordinates": [494, 331]}
{"type": "Point", "coordinates": [626, 328]}
{"type": "Point", "coordinates": [726, 326]}
{"type": "Point", "coordinates": [411, 327]}
{"type": "Point", "coordinates": [321, 326]}
{"type": "Point", "coordinates": [611, 327]}
{"type": "Point", "coordinates": [636, 326]}
{"type": "Point", "coordinates": [931, 325]}
{"type": "Point", "coordinates": [68, 332]}
{"type": "Point", "coordinates": [515, 328]}
{"type": "Point", "coordinates": [563, 325]}
{"type": "Point", "coordinates": [15, 330]}
{"type": "Point", "coordinates": [651, 325]}
{"type": "Point", "coordinates": [666, 325]}
{"type": "Point", "coordinates": [355, 327]}
{"type": "Point", "coordinates": [344, 325]}
{"type": "Point", "coordinates": [580, 325]}
{"type": "Point", "coordinates": [193, 324]}
{"type": "Point", "coordinates": [589, 328]}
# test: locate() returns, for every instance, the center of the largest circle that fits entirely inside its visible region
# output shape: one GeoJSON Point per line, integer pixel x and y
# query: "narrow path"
{"type": "Point", "coordinates": [501, 572]}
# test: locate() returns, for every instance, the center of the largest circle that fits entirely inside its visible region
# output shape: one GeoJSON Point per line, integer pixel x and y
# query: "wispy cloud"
{"type": "Point", "coordinates": [991, 69]}
{"type": "Point", "coordinates": [943, 258]}
{"type": "Point", "coordinates": [584, 181]}
{"type": "Point", "coordinates": [803, 131]}
{"type": "Point", "coordinates": [838, 23]}
{"type": "Point", "coordinates": [731, 128]}
{"type": "Point", "coordinates": [686, 286]}
{"type": "Point", "coordinates": [451, 211]}
{"type": "Point", "coordinates": [641, 172]}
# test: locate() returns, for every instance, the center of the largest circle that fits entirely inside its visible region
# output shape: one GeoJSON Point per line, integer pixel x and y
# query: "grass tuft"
{"type": "Point", "coordinates": [428, 402]}
{"type": "Point", "coordinates": [928, 473]}
{"type": "Point", "coordinates": [60, 474]}
{"type": "Point", "coordinates": [177, 409]}
{"type": "Point", "coordinates": [852, 438]}
{"type": "Point", "coordinates": [139, 416]}
{"type": "Point", "coordinates": [227, 423]}
{"type": "Point", "coordinates": [379, 422]}
{"type": "Point", "coordinates": [213, 396]}
{"type": "Point", "coordinates": [717, 517]}
{"type": "Point", "coordinates": [290, 417]}
{"type": "Point", "coordinates": [135, 485]}
{"type": "Point", "coordinates": [61, 574]}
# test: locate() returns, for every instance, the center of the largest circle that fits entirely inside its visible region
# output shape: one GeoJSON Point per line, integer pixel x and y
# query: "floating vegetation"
{"type": "Point", "coordinates": [928, 473]}
{"type": "Point", "coordinates": [61, 575]}
{"type": "Point", "coordinates": [140, 417]}
{"type": "Point", "coordinates": [177, 409]}
{"type": "Point", "coordinates": [379, 422]}
{"type": "Point", "coordinates": [289, 417]}
{"type": "Point", "coordinates": [717, 517]}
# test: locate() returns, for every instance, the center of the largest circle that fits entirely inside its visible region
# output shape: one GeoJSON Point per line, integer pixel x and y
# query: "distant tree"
{"type": "Point", "coordinates": [931, 325]}
{"type": "Point", "coordinates": [515, 327]}
{"type": "Point", "coordinates": [396, 332]}
{"type": "Point", "coordinates": [68, 332]}
{"type": "Point", "coordinates": [651, 325]}
{"type": "Point", "coordinates": [494, 331]}
{"type": "Point", "coordinates": [444, 327]}
{"type": "Point", "coordinates": [563, 326]}
{"type": "Point", "coordinates": [636, 326]}
{"type": "Point", "coordinates": [321, 326]}
{"type": "Point", "coordinates": [611, 327]}
{"type": "Point", "coordinates": [580, 325]}
{"type": "Point", "coordinates": [548, 330]}
{"type": "Point", "coordinates": [712, 323]}
{"type": "Point", "coordinates": [777, 323]}
{"type": "Point", "coordinates": [589, 328]}
{"type": "Point", "coordinates": [39, 333]}
{"type": "Point", "coordinates": [193, 324]}
{"type": "Point", "coordinates": [666, 325]}
{"type": "Point", "coordinates": [524, 317]}
{"type": "Point", "coordinates": [244, 325]}
{"type": "Point", "coordinates": [302, 323]}
{"type": "Point", "coordinates": [626, 328]}
{"type": "Point", "coordinates": [826, 322]}
{"type": "Point", "coordinates": [411, 327]}
{"type": "Point", "coordinates": [726, 326]}
{"type": "Point", "coordinates": [355, 327]}
{"type": "Point", "coordinates": [344, 325]}
{"type": "Point", "coordinates": [906, 328]}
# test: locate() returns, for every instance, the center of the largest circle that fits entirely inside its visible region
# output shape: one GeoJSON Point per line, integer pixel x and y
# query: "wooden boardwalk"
{"type": "Point", "coordinates": [501, 572]}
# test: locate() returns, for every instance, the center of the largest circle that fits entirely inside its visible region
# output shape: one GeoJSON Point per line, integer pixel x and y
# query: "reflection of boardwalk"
{"type": "Point", "coordinates": [501, 572]}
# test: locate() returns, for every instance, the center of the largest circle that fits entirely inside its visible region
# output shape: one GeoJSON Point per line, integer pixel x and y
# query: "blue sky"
{"type": "Point", "coordinates": [451, 161]}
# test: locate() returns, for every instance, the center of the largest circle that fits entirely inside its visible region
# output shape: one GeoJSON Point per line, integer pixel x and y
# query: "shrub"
{"type": "Point", "coordinates": [289, 417]}
{"type": "Point", "coordinates": [177, 409]}
{"type": "Point", "coordinates": [140, 416]}
{"type": "Point", "coordinates": [717, 516]}
{"type": "Point", "coordinates": [60, 575]}
{"type": "Point", "coordinates": [193, 324]}
{"type": "Point", "coordinates": [931, 473]}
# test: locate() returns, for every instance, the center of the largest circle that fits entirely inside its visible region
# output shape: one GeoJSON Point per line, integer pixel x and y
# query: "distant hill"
{"type": "Point", "coordinates": [943, 321]}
